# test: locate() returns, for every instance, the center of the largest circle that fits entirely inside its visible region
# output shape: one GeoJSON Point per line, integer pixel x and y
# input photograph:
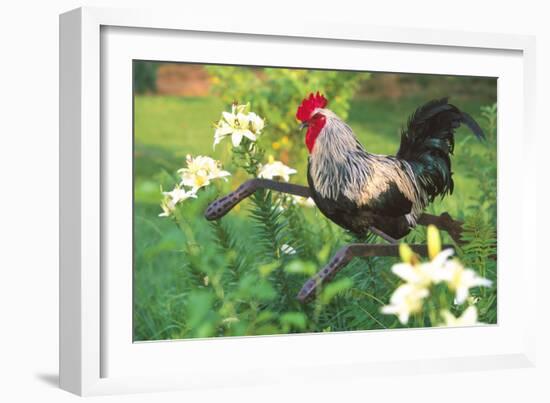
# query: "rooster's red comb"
{"type": "Point", "coordinates": [308, 105]}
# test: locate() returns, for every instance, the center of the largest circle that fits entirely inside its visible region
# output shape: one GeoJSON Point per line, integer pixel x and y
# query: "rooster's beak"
{"type": "Point", "coordinates": [303, 125]}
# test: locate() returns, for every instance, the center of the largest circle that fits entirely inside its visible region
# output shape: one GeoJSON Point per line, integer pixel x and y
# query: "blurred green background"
{"type": "Point", "coordinates": [197, 279]}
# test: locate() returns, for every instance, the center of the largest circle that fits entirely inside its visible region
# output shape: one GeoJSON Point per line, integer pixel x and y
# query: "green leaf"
{"type": "Point", "coordinates": [200, 304]}
{"type": "Point", "coordinates": [322, 256]}
{"type": "Point", "coordinates": [301, 267]}
{"type": "Point", "coordinates": [252, 287]}
{"type": "Point", "coordinates": [202, 320]}
{"type": "Point", "coordinates": [335, 288]}
{"type": "Point", "coordinates": [296, 320]}
{"type": "Point", "coordinates": [265, 316]}
{"type": "Point", "coordinates": [266, 269]}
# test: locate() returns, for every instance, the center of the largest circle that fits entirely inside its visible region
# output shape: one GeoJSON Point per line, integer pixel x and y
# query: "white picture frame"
{"type": "Point", "coordinates": [97, 355]}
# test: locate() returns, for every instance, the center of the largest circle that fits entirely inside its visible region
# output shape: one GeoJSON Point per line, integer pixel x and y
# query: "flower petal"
{"type": "Point", "coordinates": [469, 317]}
{"type": "Point", "coordinates": [249, 134]}
{"type": "Point", "coordinates": [236, 138]}
{"type": "Point", "coordinates": [442, 257]}
{"type": "Point", "coordinates": [461, 295]}
{"type": "Point", "coordinates": [229, 118]}
{"type": "Point", "coordinates": [243, 121]}
{"type": "Point", "coordinates": [405, 271]}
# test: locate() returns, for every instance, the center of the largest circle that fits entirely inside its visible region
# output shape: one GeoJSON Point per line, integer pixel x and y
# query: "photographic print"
{"type": "Point", "coordinates": [273, 200]}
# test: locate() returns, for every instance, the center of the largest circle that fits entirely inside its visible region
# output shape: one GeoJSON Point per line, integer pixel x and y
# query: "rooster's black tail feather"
{"type": "Point", "coordinates": [473, 126]}
{"type": "Point", "coordinates": [428, 142]}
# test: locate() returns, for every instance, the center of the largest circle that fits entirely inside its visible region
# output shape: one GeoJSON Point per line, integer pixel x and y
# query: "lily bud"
{"type": "Point", "coordinates": [434, 241]}
{"type": "Point", "coordinates": [407, 254]}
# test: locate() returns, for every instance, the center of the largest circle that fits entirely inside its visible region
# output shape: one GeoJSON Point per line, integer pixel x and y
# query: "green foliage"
{"type": "Point", "coordinates": [293, 320]}
{"type": "Point", "coordinates": [482, 165]}
{"type": "Point", "coordinates": [480, 252]}
{"type": "Point", "coordinates": [335, 288]}
{"type": "Point", "coordinates": [480, 233]}
{"type": "Point", "coordinates": [480, 221]}
{"type": "Point", "coordinates": [489, 113]}
{"type": "Point", "coordinates": [480, 238]}
{"type": "Point", "coordinates": [275, 94]}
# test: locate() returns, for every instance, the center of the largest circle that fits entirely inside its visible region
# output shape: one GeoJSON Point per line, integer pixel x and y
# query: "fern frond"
{"type": "Point", "coordinates": [228, 243]}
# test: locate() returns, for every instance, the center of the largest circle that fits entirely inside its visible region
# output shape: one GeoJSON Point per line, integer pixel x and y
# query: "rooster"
{"type": "Point", "coordinates": [361, 191]}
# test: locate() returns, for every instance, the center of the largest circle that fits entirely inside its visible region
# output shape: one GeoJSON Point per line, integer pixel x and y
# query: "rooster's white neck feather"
{"type": "Point", "coordinates": [339, 165]}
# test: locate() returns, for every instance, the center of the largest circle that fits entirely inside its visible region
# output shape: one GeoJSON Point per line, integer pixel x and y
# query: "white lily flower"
{"type": "Point", "coordinates": [222, 130]}
{"type": "Point", "coordinates": [210, 167]}
{"type": "Point", "coordinates": [468, 318]}
{"type": "Point", "coordinates": [423, 274]}
{"type": "Point", "coordinates": [418, 275]}
{"type": "Point", "coordinates": [421, 277]}
{"type": "Point", "coordinates": [217, 173]}
{"type": "Point", "coordinates": [167, 207]}
{"type": "Point", "coordinates": [200, 171]}
{"type": "Point", "coordinates": [405, 300]}
{"type": "Point", "coordinates": [198, 163]}
{"type": "Point", "coordinates": [172, 198]}
{"type": "Point", "coordinates": [240, 130]}
{"type": "Point", "coordinates": [460, 279]}
{"type": "Point", "coordinates": [442, 258]}
{"type": "Point", "coordinates": [257, 123]}
{"type": "Point", "coordinates": [276, 169]}
{"type": "Point", "coordinates": [195, 181]}
{"type": "Point", "coordinates": [230, 117]}
{"type": "Point", "coordinates": [179, 194]}
{"type": "Point", "coordinates": [238, 124]}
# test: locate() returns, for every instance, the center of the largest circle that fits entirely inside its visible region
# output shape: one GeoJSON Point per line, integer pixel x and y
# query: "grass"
{"type": "Point", "coordinates": [170, 262]}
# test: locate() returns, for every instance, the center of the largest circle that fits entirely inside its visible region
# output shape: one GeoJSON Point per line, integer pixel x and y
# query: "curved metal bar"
{"type": "Point", "coordinates": [220, 207]}
{"type": "Point", "coordinates": [344, 256]}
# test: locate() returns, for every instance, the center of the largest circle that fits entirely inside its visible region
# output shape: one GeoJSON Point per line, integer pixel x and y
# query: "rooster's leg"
{"type": "Point", "coordinates": [220, 207]}
{"type": "Point", "coordinates": [343, 257]}
{"type": "Point", "coordinates": [383, 235]}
